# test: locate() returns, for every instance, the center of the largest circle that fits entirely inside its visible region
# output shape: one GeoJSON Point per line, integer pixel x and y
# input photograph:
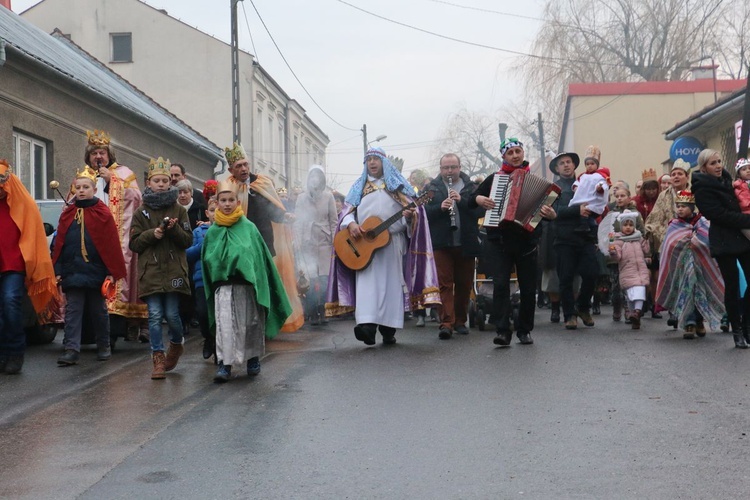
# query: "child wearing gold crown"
{"type": "Point", "coordinates": [592, 190]}
{"type": "Point", "coordinates": [84, 258]}
{"type": "Point", "coordinates": [245, 295]}
{"type": "Point", "coordinates": [690, 283]}
{"type": "Point", "coordinates": [160, 234]}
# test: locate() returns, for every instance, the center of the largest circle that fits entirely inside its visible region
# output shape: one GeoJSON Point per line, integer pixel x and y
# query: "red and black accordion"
{"type": "Point", "coordinates": [518, 198]}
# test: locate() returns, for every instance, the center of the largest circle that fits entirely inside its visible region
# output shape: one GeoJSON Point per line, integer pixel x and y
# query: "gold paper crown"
{"type": "Point", "coordinates": [592, 152]}
{"type": "Point", "coordinates": [87, 173]}
{"type": "Point", "coordinates": [98, 138]}
{"type": "Point", "coordinates": [227, 185]}
{"type": "Point", "coordinates": [649, 175]}
{"type": "Point", "coordinates": [685, 197]}
{"type": "Point", "coordinates": [159, 166]}
{"type": "Point", "coordinates": [235, 153]}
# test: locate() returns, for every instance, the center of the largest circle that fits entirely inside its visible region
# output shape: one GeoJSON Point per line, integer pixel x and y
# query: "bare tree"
{"type": "Point", "coordinates": [616, 40]}
{"type": "Point", "coordinates": [466, 133]}
{"type": "Point", "coordinates": [731, 45]}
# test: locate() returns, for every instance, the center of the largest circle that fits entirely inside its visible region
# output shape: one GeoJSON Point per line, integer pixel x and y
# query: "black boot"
{"type": "Point", "coordinates": [555, 316]}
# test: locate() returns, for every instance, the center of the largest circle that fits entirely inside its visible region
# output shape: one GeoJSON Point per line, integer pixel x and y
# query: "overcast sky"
{"type": "Point", "coordinates": [361, 69]}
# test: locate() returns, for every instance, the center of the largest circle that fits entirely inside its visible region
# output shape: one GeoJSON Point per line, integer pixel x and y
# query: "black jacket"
{"type": "Point", "coordinates": [262, 212]}
{"type": "Point", "coordinates": [440, 230]}
{"type": "Point", "coordinates": [716, 201]}
{"type": "Point", "coordinates": [568, 218]}
{"type": "Point", "coordinates": [71, 267]}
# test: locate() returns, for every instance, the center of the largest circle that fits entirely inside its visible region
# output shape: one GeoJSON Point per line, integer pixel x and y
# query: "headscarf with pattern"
{"type": "Point", "coordinates": [394, 181]}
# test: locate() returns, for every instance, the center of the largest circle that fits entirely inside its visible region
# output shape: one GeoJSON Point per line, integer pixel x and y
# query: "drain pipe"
{"type": "Point", "coordinates": [2, 52]}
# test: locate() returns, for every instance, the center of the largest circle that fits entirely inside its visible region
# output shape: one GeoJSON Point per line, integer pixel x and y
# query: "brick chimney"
{"type": "Point", "coordinates": [6, 4]}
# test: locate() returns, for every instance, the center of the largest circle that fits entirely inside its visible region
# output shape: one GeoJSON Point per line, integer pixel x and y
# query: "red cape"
{"type": "Point", "coordinates": [104, 235]}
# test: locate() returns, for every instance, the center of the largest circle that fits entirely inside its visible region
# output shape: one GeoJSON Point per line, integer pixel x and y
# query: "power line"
{"type": "Point", "coordinates": [492, 47]}
{"type": "Point", "coordinates": [490, 11]}
{"type": "Point", "coordinates": [295, 74]}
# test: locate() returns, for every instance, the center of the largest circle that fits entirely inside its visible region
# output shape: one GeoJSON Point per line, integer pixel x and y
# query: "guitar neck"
{"type": "Point", "coordinates": [391, 220]}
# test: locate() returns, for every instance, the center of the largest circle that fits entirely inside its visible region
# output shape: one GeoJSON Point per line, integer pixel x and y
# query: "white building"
{"type": "Point", "coordinates": [188, 72]}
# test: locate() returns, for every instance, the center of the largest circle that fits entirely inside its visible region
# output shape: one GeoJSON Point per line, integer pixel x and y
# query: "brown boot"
{"type": "Point", "coordinates": [158, 373]}
{"type": "Point", "coordinates": [571, 323]}
{"type": "Point", "coordinates": [635, 319]}
{"type": "Point", "coordinates": [174, 351]}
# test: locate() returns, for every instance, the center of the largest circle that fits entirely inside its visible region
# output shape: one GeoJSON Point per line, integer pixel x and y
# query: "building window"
{"type": "Point", "coordinates": [30, 164]}
{"type": "Point", "coordinates": [122, 47]}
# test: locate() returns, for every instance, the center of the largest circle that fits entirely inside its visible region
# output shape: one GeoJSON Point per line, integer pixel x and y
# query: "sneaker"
{"type": "Point", "coordinates": [69, 358]}
{"type": "Point", "coordinates": [103, 353]}
{"type": "Point", "coordinates": [223, 373]}
{"type": "Point", "coordinates": [420, 321]}
{"type": "Point", "coordinates": [525, 338]}
{"type": "Point", "coordinates": [571, 323]}
{"type": "Point", "coordinates": [253, 366]}
{"type": "Point", "coordinates": [586, 318]}
{"type": "Point", "coordinates": [725, 323]}
{"type": "Point", "coordinates": [445, 333]}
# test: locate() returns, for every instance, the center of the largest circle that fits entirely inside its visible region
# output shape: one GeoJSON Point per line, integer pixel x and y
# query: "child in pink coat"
{"type": "Point", "coordinates": [633, 255]}
{"type": "Point", "coordinates": [742, 188]}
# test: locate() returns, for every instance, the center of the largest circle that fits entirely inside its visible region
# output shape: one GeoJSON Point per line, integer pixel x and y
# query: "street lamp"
{"type": "Point", "coordinates": [364, 138]}
{"type": "Point", "coordinates": [377, 139]}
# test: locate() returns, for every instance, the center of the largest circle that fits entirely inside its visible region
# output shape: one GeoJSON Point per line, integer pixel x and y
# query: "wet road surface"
{"type": "Point", "coordinates": [603, 412]}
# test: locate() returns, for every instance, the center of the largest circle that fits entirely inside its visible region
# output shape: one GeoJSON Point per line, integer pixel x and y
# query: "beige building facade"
{"type": "Point", "coordinates": [52, 92]}
{"type": "Point", "coordinates": [628, 120]}
{"type": "Point", "coordinates": [188, 72]}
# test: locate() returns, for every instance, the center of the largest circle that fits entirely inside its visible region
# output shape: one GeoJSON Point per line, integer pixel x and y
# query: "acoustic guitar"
{"type": "Point", "coordinates": [357, 254]}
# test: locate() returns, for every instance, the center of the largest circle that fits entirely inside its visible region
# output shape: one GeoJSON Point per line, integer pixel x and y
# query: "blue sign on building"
{"type": "Point", "coordinates": [687, 148]}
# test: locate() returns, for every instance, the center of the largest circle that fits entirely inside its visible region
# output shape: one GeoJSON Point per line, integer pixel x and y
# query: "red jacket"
{"type": "Point", "coordinates": [742, 192]}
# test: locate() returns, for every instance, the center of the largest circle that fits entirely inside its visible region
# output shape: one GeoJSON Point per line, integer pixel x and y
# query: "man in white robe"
{"type": "Point", "coordinates": [380, 287]}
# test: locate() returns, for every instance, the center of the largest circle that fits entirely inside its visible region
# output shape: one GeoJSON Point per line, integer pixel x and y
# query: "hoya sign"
{"type": "Point", "coordinates": [686, 148]}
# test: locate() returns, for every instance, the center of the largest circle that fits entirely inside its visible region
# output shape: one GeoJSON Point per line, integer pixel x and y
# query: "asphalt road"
{"type": "Point", "coordinates": [603, 412]}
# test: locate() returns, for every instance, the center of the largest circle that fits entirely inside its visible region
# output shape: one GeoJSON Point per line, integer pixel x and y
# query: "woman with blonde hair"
{"type": "Point", "coordinates": [714, 196]}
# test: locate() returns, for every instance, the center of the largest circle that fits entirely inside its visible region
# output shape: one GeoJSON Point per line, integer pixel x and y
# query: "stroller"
{"type": "Point", "coordinates": [480, 302]}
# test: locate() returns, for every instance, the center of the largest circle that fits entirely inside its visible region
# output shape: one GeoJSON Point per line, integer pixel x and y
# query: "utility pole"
{"type": "Point", "coordinates": [364, 137]}
{"type": "Point", "coordinates": [543, 159]}
{"type": "Point", "coordinates": [236, 135]}
{"type": "Point", "coordinates": [745, 133]}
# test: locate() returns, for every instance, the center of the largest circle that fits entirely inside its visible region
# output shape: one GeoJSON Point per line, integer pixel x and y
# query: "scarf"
{"type": "Point", "coordinates": [508, 169]}
{"type": "Point", "coordinates": [228, 220]}
{"type": "Point", "coordinates": [160, 200]}
{"type": "Point", "coordinates": [41, 284]}
{"type": "Point", "coordinates": [636, 236]}
{"type": "Point", "coordinates": [394, 181]}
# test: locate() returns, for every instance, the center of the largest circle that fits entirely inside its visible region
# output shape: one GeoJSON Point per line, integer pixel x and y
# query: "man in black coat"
{"type": "Point", "coordinates": [455, 242]}
{"type": "Point", "coordinates": [575, 251]}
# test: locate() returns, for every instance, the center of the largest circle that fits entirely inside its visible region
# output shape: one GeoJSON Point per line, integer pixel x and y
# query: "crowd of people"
{"type": "Point", "coordinates": [243, 261]}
